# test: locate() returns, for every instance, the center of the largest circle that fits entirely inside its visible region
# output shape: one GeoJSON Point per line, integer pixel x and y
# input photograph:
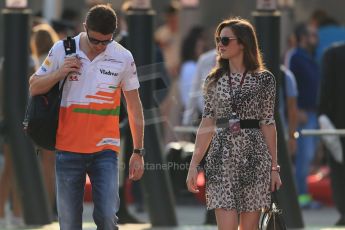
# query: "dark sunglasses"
{"type": "Point", "coordinates": [96, 41]}
{"type": "Point", "coordinates": [225, 40]}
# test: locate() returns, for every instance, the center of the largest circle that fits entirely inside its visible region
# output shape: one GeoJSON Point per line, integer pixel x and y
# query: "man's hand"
{"type": "Point", "coordinates": [136, 167]}
{"type": "Point", "coordinates": [70, 64]}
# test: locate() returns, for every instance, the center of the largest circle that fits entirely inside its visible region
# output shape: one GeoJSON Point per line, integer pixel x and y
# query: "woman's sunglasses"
{"type": "Point", "coordinates": [96, 41]}
{"type": "Point", "coordinates": [225, 40]}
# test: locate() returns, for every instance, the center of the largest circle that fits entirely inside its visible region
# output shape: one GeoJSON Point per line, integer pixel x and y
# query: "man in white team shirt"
{"type": "Point", "coordinates": [88, 138]}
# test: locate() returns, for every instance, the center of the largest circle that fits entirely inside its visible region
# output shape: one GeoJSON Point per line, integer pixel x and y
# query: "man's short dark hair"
{"type": "Point", "coordinates": [322, 18]}
{"type": "Point", "coordinates": [301, 30]}
{"type": "Point", "coordinates": [102, 19]}
{"type": "Point", "coordinates": [172, 8]}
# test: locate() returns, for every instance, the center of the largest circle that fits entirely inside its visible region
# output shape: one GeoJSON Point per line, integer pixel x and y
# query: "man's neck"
{"type": "Point", "coordinates": [85, 47]}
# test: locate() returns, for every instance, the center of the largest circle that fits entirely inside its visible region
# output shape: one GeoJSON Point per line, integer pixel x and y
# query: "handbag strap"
{"type": "Point", "coordinates": [274, 198]}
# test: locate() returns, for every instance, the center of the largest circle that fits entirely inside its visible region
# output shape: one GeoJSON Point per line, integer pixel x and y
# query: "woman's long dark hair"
{"type": "Point", "coordinates": [245, 33]}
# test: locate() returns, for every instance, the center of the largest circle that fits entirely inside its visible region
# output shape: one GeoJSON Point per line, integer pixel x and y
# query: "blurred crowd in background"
{"type": "Point", "coordinates": [187, 59]}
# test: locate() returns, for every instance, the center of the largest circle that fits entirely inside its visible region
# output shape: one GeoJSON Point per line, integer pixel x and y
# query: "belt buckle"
{"type": "Point", "coordinates": [234, 124]}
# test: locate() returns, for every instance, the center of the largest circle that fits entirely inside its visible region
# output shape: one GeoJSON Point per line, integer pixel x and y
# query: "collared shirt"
{"type": "Point", "coordinates": [187, 75]}
{"type": "Point", "coordinates": [288, 89]}
{"type": "Point", "coordinates": [307, 75]}
{"type": "Point", "coordinates": [90, 105]}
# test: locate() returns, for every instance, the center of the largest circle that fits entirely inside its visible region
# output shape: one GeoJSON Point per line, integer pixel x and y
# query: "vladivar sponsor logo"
{"type": "Point", "coordinates": [108, 72]}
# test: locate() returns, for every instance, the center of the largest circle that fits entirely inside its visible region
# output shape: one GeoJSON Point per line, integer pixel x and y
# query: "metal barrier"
{"type": "Point", "coordinates": [186, 129]}
{"type": "Point", "coordinates": [304, 132]}
{"type": "Point", "coordinates": [320, 132]}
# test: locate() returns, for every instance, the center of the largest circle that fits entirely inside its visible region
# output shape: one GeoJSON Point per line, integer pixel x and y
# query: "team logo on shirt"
{"type": "Point", "coordinates": [112, 60]}
{"type": "Point", "coordinates": [74, 76]}
{"type": "Point", "coordinates": [43, 69]}
{"type": "Point", "coordinates": [47, 62]}
{"type": "Point", "coordinates": [108, 72]}
{"type": "Point", "coordinates": [109, 141]}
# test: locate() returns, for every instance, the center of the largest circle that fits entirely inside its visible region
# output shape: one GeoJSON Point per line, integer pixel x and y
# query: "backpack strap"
{"type": "Point", "coordinates": [70, 48]}
{"type": "Point", "coordinates": [69, 45]}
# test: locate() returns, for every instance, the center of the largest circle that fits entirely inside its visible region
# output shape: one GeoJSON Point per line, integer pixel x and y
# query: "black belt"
{"type": "Point", "coordinates": [245, 124]}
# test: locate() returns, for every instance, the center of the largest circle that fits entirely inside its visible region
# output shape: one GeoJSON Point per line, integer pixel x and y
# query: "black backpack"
{"type": "Point", "coordinates": [42, 112]}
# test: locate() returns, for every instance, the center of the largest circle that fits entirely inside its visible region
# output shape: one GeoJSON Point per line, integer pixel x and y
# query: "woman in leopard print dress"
{"type": "Point", "coordinates": [241, 165]}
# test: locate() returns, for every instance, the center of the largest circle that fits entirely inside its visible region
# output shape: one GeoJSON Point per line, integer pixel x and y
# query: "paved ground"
{"type": "Point", "coordinates": [191, 217]}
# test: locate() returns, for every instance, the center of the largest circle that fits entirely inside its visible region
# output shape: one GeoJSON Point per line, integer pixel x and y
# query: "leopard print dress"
{"type": "Point", "coordinates": [238, 166]}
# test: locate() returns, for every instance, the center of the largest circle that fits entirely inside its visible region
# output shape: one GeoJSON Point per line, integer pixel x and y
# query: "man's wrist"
{"type": "Point", "coordinates": [139, 151]}
{"type": "Point", "coordinates": [59, 75]}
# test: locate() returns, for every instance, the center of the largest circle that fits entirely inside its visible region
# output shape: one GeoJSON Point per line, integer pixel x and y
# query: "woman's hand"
{"type": "Point", "coordinates": [191, 179]}
{"type": "Point", "coordinates": [275, 181]}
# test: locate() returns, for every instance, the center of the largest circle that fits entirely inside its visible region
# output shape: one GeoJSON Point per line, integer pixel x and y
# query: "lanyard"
{"type": "Point", "coordinates": [232, 92]}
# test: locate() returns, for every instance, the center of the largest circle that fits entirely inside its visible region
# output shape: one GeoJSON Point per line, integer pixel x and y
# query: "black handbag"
{"type": "Point", "coordinates": [272, 218]}
{"type": "Point", "coordinates": [42, 112]}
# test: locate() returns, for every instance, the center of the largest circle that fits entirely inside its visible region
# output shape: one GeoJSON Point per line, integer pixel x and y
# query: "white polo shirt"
{"type": "Point", "coordinates": [90, 105]}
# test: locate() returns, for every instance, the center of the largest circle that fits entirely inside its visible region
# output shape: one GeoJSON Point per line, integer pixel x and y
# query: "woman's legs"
{"type": "Point", "coordinates": [226, 220]}
{"type": "Point", "coordinates": [249, 220]}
